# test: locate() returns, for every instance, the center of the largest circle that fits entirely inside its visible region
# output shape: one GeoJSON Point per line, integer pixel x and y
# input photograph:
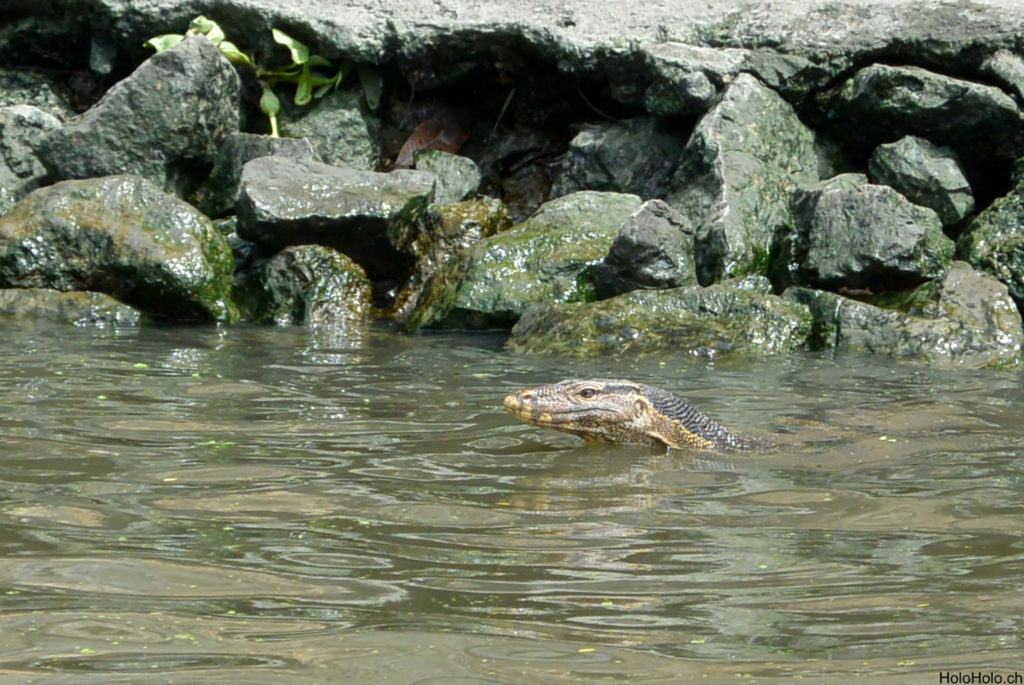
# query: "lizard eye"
{"type": "Point", "coordinates": [587, 393]}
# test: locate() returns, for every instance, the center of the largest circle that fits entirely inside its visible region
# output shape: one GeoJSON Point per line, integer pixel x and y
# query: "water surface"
{"type": "Point", "coordinates": [281, 505]}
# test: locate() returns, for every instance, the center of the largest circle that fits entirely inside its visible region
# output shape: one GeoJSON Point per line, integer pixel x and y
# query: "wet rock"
{"type": "Point", "coordinates": [341, 131]}
{"type": "Point", "coordinates": [1007, 69]}
{"type": "Point", "coordinates": [170, 113]}
{"type": "Point", "coordinates": [848, 233]}
{"type": "Point", "coordinates": [635, 156]}
{"type": "Point", "coordinates": [457, 177]}
{"type": "Point", "coordinates": [881, 103]}
{"type": "Point", "coordinates": [26, 88]}
{"type": "Point", "coordinates": [737, 317]}
{"type": "Point", "coordinates": [546, 259]}
{"type": "Point", "coordinates": [652, 250]}
{"type": "Point", "coordinates": [928, 175]}
{"type": "Point", "coordinates": [373, 218]}
{"type": "Point", "coordinates": [219, 192]}
{"type": "Point", "coordinates": [994, 241]}
{"type": "Point", "coordinates": [22, 127]}
{"type": "Point", "coordinates": [122, 236]}
{"type": "Point", "coordinates": [307, 284]}
{"type": "Point", "coordinates": [457, 227]}
{"type": "Point", "coordinates": [78, 308]}
{"type": "Point", "coordinates": [964, 319]}
{"type": "Point", "coordinates": [737, 172]}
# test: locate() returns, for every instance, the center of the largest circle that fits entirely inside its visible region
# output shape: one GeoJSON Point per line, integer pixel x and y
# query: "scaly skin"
{"type": "Point", "coordinates": [620, 411]}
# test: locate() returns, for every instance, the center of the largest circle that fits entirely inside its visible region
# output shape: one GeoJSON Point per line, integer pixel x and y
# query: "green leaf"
{"type": "Point", "coordinates": [373, 84]}
{"type": "Point", "coordinates": [318, 61]}
{"type": "Point", "coordinates": [207, 27]}
{"type": "Point", "coordinates": [304, 91]}
{"type": "Point", "coordinates": [234, 55]}
{"type": "Point", "coordinates": [300, 53]}
{"type": "Point", "coordinates": [269, 104]}
{"type": "Point", "coordinates": [164, 42]}
{"type": "Point", "coordinates": [320, 79]}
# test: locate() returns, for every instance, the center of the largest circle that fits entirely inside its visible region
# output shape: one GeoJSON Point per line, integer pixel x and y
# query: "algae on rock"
{"type": "Point", "coordinates": [546, 259]}
{"type": "Point", "coordinates": [728, 317]}
{"type": "Point", "coordinates": [123, 236]}
{"type": "Point", "coordinates": [994, 241]}
{"type": "Point", "coordinates": [964, 319]}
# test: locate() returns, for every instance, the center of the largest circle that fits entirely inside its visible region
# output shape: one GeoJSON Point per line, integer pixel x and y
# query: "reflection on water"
{"type": "Point", "coordinates": [255, 505]}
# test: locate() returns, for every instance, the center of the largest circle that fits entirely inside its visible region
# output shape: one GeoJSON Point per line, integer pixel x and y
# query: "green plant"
{"type": "Point", "coordinates": [309, 82]}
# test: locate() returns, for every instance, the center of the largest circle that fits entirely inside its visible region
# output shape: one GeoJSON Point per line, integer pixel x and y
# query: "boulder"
{"type": "Point", "coordinates": [78, 308]}
{"type": "Point", "coordinates": [926, 174]}
{"type": "Point", "coordinates": [735, 177]}
{"type": "Point", "coordinates": [964, 319]}
{"type": "Point", "coordinates": [342, 132]}
{"type": "Point", "coordinates": [374, 218]}
{"type": "Point", "coordinates": [848, 233]}
{"type": "Point", "coordinates": [1007, 69]}
{"type": "Point", "coordinates": [123, 236]}
{"type": "Point", "coordinates": [219, 192]}
{"type": "Point", "coordinates": [458, 178]}
{"type": "Point", "coordinates": [546, 259]}
{"type": "Point", "coordinates": [634, 156]}
{"type": "Point", "coordinates": [307, 284]}
{"type": "Point", "coordinates": [652, 250]}
{"type": "Point", "coordinates": [22, 127]}
{"type": "Point", "coordinates": [679, 91]}
{"type": "Point", "coordinates": [994, 241]}
{"type": "Point", "coordinates": [881, 103]}
{"type": "Point", "coordinates": [454, 229]}
{"type": "Point", "coordinates": [736, 317]}
{"type": "Point", "coordinates": [171, 113]}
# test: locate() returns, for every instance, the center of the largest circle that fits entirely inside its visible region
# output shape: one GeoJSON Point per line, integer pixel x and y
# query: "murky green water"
{"type": "Point", "coordinates": [258, 505]}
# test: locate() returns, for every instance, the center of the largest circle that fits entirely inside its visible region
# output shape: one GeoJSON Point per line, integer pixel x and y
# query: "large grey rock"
{"type": "Point", "coordinates": [734, 181]}
{"type": "Point", "coordinates": [342, 132]}
{"type": "Point", "coordinates": [635, 156]}
{"type": "Point", "coordinates": [373, 218]}
{"type": "Point", "coordinates": [1007, 69]}
{"type": "Point", "coordinates": [307, 284]}
{"type": "Point", "coordinates": [994, 241]}
{"type": "Point", "coordinates": [170, 113]}
{"type": "Point", "coordinates": [22, 127]}
{"type": "Point", "coordinates": [679, 91]}
{"type": "Point", "coordinates": [848, 233]}
{"type": "Point", "coordinates": [725, 317]}
{"type": "Point", "coordinates": [123, 236]}
{"type": "Point", "coordinates": [926, 174]}
{"type": "Point", "coordinates": [77, 308]}
{"type": "Point", "coordinates": [219, 191]}
{"type": "Point", "coordinates": [546, 259]}
{"type": "Point", "coordinates": [458, 178]}
{"type": "Point", "coordinates": [652, 250]}
{"type": "Point", "coordinates": [881, 103]}
{"type": "Point", "coordinates": [964, 319]}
